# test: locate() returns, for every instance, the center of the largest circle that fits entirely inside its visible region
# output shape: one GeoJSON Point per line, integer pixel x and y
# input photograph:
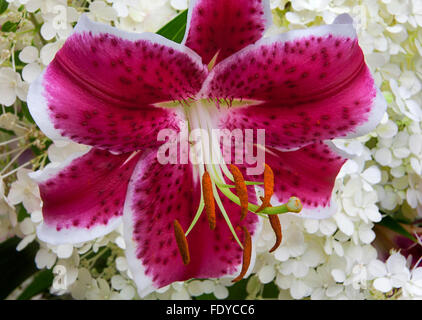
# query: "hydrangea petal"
{"type": "Point", "coordinates": [83, 196]}
{"type": "Point", "coordinates": [302, 86]}
{"type": "Point", "coordinates": [101, 88]}
{"type": "Point", "coordinates": [225, 26]}
{"type": "Point", "coordinates": [160, 194]}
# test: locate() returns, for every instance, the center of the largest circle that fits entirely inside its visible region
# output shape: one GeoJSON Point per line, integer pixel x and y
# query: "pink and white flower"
{"type": "Point", "coordinates": [114, 91]}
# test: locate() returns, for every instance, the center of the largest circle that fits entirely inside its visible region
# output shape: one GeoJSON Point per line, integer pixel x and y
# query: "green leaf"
{"type": "Point", "coordinates": [7, 131]}
{"type": "Point", "coordinates": [25, 112]}
{"type": "Point", "coordinates": [393, 225]}
{"type": "Point", "coordinates": [18, 61]}
{"type": "Point", "coordinates": [15, 267]}
{"type": "Point", "coordinates": [238, 290]}
{"type": "Point", "coordinates": [9, 26]}
{"type": "Point", "coordinates": [3, 6]}
{"type": "Point", "coordinates": [205, 296]}
{"type": "Point", "coordinates": [22, 213]}
{"type": "Point", "coordinates": [175, 29]}
{"type": "Point", "coordinates": [42, 281]}
{"type": "Point", "coordinates": [271, 291]}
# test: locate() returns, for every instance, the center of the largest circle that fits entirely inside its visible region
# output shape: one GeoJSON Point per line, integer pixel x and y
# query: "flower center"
{"type": "Point", "coordinates": [213, 173]}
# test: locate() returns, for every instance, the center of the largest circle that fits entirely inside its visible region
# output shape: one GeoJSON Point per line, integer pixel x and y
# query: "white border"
{"type": "Point", "coordinates": [86, 25]}
{"type": "Point", "coordinates": [49, 233]}
{"type": "Point", "coordinates": [52, 169]}
{"type": "Point", "coordinates": [72, 235]}
{"type": "Point", "coordinates": [38, 108]}
{"type": "Point", "coordinates": [143, 283]}
{"type": "Point", "coordinates": [378, 109]}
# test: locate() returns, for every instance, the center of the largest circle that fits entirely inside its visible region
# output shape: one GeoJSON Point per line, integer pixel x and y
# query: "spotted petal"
{"type": "Point", "coordinates": [302, 86]}
{"type": "Point", "coordinates": [160, 194]}
{"type": "Point", "coordinates": [225, 26]}
{"type": "Point", "coordinates": [309, 174]}
{"type": "Point", "coordinates": [102, 87]}
{"type": "Point", "coordinates": [83, 197]}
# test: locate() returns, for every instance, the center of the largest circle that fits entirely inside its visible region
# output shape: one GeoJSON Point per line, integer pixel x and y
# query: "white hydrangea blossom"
{"type": "Point", "coordinates": [25, 190]}
{"type": "Point", "coordinates": [11, 86]}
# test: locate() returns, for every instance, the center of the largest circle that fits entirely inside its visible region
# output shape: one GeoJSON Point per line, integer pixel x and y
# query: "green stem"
{"type": "Point", "coordinates": [197, 215]}
{"type": "Point", "coordinates": [26, 31]}
{"type": "Point", "coordinates": [253, 208]}
{"type": "Point", "coordinates": [37, 27]}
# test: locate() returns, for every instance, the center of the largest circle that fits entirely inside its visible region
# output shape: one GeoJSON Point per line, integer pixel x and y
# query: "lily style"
{"type": "Point", "coordinates": [114, 91]}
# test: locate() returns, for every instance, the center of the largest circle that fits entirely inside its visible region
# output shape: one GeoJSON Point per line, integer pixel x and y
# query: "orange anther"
{"type": "Point", "coordinates": [268, 187]}
{"type": "Point", "coordinates": [247, 252]}
{"type": "Point", "coordinates": [241, 190]}
{"type": "Point", "coordinates": [182, 242]}
{"type": "Point", "coordinates": [208, 199]}
{"type": "Point", "coordinates": [275, 224]}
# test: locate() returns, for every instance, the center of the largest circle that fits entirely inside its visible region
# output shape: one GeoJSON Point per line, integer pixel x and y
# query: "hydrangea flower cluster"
{"type": "Point", "coordinates": [346, 256]}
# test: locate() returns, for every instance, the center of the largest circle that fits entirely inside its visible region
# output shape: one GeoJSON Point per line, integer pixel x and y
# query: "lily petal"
{"type": "Point", "coordinates": [102, 87]}
{"type": "Point", "coordinates": [225, 26]}
{"type": "Point", "coordinates": [83, 196]}
{"type": "Point", "coordinates": [309, 174]}
{"type": "Point", "coordinates": [161, 194]}
{"type": "Point", "coordinates": [305, 86]}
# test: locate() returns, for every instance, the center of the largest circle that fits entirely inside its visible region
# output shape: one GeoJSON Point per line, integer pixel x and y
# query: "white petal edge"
{"type": "Point", "coordinates": [343, 19]}
{"type": "Point", "coordinates": [73, 235]}
{"type": "Point", "coordinates": [53, 168]}
{"type": "Point", "coordinates": [143, 282]}
{"type": "Point", "coordinates": [38, 108]}
{"type": "Point", "coordinates": [267, 15]}
{"type": "Point", "coordinates": [86, 25]}
{"type": "Point", "coordinates": [378, 109]}
{"type": "Point", "coordinates": [338, 151]}
{"type": "Point", "coordinates": [49, 233]}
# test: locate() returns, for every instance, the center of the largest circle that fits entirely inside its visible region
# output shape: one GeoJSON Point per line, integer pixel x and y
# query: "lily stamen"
{"type": "Point", "coordinates": [294, 205]}
{"type": "Point", "coordinates": [275, 224]}
{"type": "Point", "coordinates": [230, 186]}
{"type": "Point", "coordinates": [225, 215]}
{"type": "Point", "coordinates": [241, 190]}
{"type": "Point", "coordinates": [213, 178]}
{"type": "Point", "coordinates": [182, 242]}
{"type": "Point", "coordinates": [247, 252]}
{"type": "Point", "coordinates": [208, 199]}
{"type": "Point", "coordinates": [268, 187]}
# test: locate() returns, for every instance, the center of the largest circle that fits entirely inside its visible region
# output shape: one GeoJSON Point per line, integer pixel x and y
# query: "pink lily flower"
{"type": "Point", "coordinates": [115, 90]}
